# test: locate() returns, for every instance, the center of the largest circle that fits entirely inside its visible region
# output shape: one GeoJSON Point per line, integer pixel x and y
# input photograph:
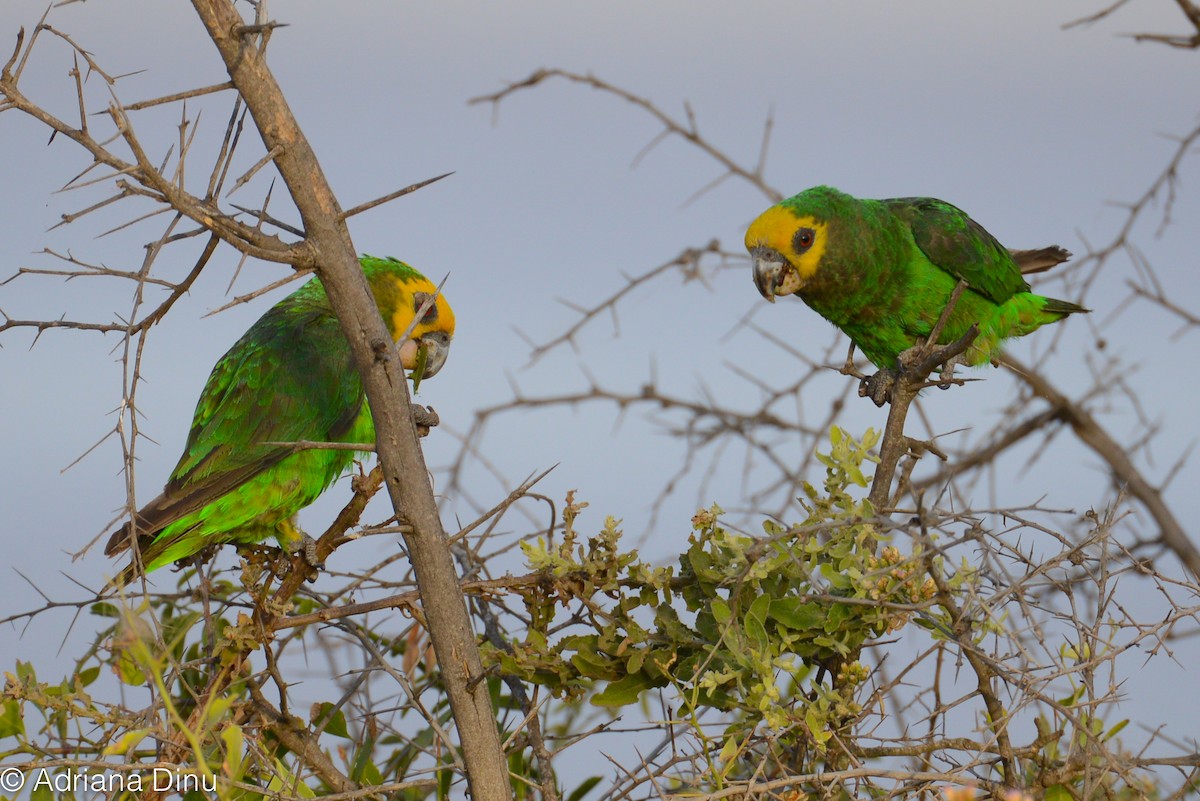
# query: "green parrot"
{"type": "Point", "coordinates": [883, 270]}
{"type": "Point", "coordinates": [290, 377]}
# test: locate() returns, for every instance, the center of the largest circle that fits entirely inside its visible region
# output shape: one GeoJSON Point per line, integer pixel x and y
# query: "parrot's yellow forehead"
{"type": "Point", "coordinates": [411, 294]}
{"type": "Point", "coordinates": [778, 228]}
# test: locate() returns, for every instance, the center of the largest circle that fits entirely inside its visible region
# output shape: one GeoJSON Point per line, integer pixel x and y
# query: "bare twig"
{"type": "Point", "coordinates": [370, 204]}
{"type": "Point", "coordinates": [671, 126]}
{"type": "Point", "coordinates": [1095, 437]}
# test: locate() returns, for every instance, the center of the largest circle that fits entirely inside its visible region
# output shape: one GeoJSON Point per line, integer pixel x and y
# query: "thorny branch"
{"type": "Point", "coordinates": [689, 131]}
{"type": "Point", "coordinates": [1085, 571]}
{"type": "Point", "coordinates": [1162, 190]}
{"type": "Point", "coordinates": [913, 377]}
{"type": "Point", "coordinates": [120, 158]}
{"type": "Point", "coordinates": [1124, 471]}
{"type": "Point", "coordinates": [1191, 13]}
{"type": "Point", "coordinates": [688, 263]}
{"type": "Point", "coordinates": [1044, 618]}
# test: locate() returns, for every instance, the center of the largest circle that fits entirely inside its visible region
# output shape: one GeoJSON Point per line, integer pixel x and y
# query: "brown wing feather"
{"type": "Point", "coordinates": [170, 506]}
{"type": "Point", "coordinates": [1039, 260]}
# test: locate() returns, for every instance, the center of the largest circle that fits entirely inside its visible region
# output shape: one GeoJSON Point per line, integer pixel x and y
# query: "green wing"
{"type": "Point", "coordinates": [962, 247]}
{"type": "Point", "coordinates": [288, 378]}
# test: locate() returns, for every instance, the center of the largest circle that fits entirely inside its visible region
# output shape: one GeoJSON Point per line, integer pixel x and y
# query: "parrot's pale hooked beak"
{"type": "Point", "coordinates": [427, 353]}
{"type": "Point", "coordinates": [770, 272]}
{"type": "Point", "coordinates": [437, 349]}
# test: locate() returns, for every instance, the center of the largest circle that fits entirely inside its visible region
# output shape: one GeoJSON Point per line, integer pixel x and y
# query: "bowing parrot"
{"type": "Point", "coordinates": [290, 377]}
{"type": "Point", "coordinates": [882, 271]}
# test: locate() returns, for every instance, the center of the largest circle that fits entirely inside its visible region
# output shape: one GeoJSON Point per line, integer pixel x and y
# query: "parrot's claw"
{"type": "Point", "coordinates": [911, 367]}
{"type": "Point", "coordinates": [881, 386]}
{"type": "Point", "coordinates": [946, 377]}
{"type": "Point", "coordinates": [306, 549]}
{"type": "Point", "coordinates": [425, 418]}
{"type": "Point", "coordinates": [878, 387]}
{"type": "Point", "coordinates": [309, 547]}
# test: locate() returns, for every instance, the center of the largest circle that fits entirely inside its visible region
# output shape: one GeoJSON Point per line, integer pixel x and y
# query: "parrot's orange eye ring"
{"type": "Point", "coordinates": [431, 314]}
{"type": "Point", "coordinates": [803, 240]}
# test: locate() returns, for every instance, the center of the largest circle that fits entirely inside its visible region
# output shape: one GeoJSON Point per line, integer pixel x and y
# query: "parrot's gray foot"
{"type": "Point", "coordinates": [946, 376]}
{"type": "Point", "coordinates": [312, 563]}
{"type": "Point", "coordinates": [913, 367]}
{"type": "Point", "coordinates": [881, 387]}
{"type": "Point", "coordinates": [878, 387]}
{"type": "Point", "coordinates": [308, 547]}
{"type": "Point", "coordinates": [425, 418]}
{"type": "Point", "coordinates": [304, 546]}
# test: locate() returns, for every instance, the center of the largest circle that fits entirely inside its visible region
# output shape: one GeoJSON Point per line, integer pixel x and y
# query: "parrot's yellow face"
{"type": "Point", "coordinates": [422, 324]}
{"type": "Point", "coordinates": [786, 249]}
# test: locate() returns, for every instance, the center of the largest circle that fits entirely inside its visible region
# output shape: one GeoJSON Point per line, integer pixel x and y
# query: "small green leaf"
{"type": "Point", "coordinates": [128, 670]}
{"type": "Point", "coordinates": [284, 781]}
{"type": "Point", "coordinates": [333, 720]}
{"type": "Point", "coordinates": [129, 741]}
{"type": "Point", "coordinates": [668, 623]}
{"type": "Point", "coordinates": [756, 619]}
{"type": "Point", "coordinates": [1116, 728]}
{"type": "Point", "coordinates": [362, 765]}
{"type": "Point", "coordinates": [797, 613]}
{"type": "Point", "coordinates": [11, 721]}
{"type": "Point", "coordinates": [218, 708]}
{"type": "Point", "coordinates": [235, 742]}
{"type": "Point", "coordinates": [760, 607]}
{"type": "Point", "coordinates": [701, 564]}
{"type": "Point", "coordinates": [816, 728]}
{"type": "Point", "coordinates": [730, 750]}
{"type": "Point", "coordinates": [836, 616]}
{"type": "Point", "coordinates": [105, 609]}
{"type": "Point", "coordinates": [591, 663]}
{"type": "Point", "coordinates": [1057, 792]}
{"type": "Point", "coordinates": [625, 691]}
{"type": "Point", "coordinates": [418, 372]}
{"type": "Point", "coordinates": [370, 774]}
{"type": "Point", "coordinates": [42, 791]}
{"type": "Point", "coordinates": [720, 611]}
{"type": "Point", "coordinates": [836, 580]}
{"type": "Point", "coordinates": [584, 787]}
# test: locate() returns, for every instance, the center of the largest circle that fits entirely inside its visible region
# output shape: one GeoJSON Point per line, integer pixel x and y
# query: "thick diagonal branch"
{"type": "Point", "coordinates": [383, 378]}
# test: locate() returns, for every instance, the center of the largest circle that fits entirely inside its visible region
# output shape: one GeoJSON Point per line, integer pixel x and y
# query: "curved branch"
{"type": "Point", "coordinates": [243, 237]}
{"type": "Point", "coordinates": [671, 126]}
{"type": "Point", "coordinates": [1095, 437]}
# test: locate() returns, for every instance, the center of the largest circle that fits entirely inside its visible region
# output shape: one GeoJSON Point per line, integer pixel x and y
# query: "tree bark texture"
{"type": "Point", "coordinates": [328, 248]}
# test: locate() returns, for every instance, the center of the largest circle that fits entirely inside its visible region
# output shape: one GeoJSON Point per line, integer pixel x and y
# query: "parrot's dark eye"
{"type": "Point", "coordinates": [803, 240]}
{"type": "Point", "coordinates": [431, 313]}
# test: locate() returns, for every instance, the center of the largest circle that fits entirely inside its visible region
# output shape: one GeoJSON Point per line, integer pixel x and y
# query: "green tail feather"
{"type": "Point", "coordinates": [1021, 314]}
{"type": "Point", "coordinates": [1061, 307]}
